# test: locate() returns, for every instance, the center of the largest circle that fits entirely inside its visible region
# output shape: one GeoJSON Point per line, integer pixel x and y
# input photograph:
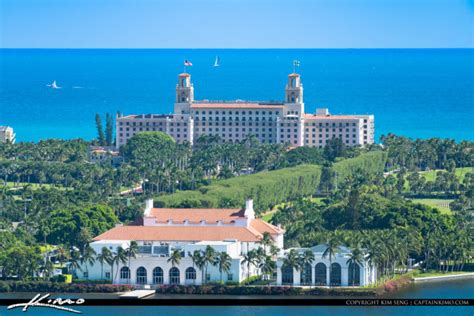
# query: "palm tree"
{"type": "Point", "coordinates": [306, 257]}
{"type": "Point", "coordinates": [223, 262]}
{"type": "Point", "coordinates": [88, 258]}
{"type": "Point", "coordinates": [267, 266]}
{"type": "Point", "coordinates": [198, 261]}
{"type": "Point", "coordinates": [209, 257]}
{"type": "Point", "coordinates": [74, 263]}
{"type": "Point", "coordinates": [62, 255]}
{"type": "Point", "coordinates": [356, 257]}
{"type": "Point", "coordinates": [293, 260]}
{"type": "Point", "coordinates": [105, 256]}
{"type": "Point", "coordinates": [132, 252]}
{"type": "Point", "coordinates": [274, 250]}
{"type": "Point", "coordinates": [266, 241]}
{"type": "Point", "coordinates": [175, 258]}
{"type": "Point", "coordinates": [119, 258]}
{"type": "Point", "coordinates": [332, 247]}
{"type": "Point", "coordinates": [248, 259]}
{"type": "Point", "coordinates": [47, 269]}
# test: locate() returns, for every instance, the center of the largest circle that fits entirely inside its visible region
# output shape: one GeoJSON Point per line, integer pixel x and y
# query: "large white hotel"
{"type": "Point", "coordinates": [270, 122]}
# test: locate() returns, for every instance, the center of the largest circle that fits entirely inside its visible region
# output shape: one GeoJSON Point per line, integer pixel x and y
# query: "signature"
{"type": "Point", "coordinates": [40, 301]}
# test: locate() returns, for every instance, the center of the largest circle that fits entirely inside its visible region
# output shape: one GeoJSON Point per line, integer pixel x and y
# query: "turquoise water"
{"type": "Point", "coordinates": [417, 93]}
{"type": "Point", "coordinates": [453, 289]}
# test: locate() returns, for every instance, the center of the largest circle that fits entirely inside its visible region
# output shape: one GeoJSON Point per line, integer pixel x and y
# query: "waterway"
{"type": "Point", "coordinates": [452, 289]}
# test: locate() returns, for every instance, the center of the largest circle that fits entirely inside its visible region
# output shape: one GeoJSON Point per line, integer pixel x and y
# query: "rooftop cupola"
{"type": "Point", "coordinates": [184, 94]}
{"type": "Point", "coordinates": [294, 89]}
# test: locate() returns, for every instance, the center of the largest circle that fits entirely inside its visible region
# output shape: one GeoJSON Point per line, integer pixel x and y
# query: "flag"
{"type": "Point", "coordinates": [296, 63]}
{"type": "Point", "coordinates": [187, 63]}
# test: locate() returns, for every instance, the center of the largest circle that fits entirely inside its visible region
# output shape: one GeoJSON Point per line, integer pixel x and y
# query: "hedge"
{"type": "Point", "coordinates": [261, 290]}
{"type": "Point", "coordinates": [44, 286]}
{"type": "Point", "coordinates": [269, 188]}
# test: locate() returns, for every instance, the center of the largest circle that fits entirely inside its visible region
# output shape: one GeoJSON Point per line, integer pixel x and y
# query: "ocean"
{"type": "Point", "coordinates": [420, 93]}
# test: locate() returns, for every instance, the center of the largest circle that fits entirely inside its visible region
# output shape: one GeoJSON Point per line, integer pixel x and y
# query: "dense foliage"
{"type": "Point", "coordinates": [270, 188]}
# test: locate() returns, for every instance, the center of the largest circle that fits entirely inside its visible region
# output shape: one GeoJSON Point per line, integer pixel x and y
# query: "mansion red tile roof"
{"type": "Point", "coordinates": [253, 233]}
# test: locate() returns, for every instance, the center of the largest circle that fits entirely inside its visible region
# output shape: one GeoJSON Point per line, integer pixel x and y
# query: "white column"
{"type": "Point", "coordinates": [296, 277]}
{"type": "Point", "coordinates": [166, 275]}
{"type": "Point", "coordinates": [328, 274]}
{"type": "Point", "coordinates": [313, 274]}
{"type": "Point", "coordinates": [279, 275]}
{"type": "Point", "coordinates": [182, 276]}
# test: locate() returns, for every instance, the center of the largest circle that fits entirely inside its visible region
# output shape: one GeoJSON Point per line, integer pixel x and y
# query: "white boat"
{"type": "Point", "coordinates": [53, 85]}
{"type": "Point", "coordinates": [217, 63]}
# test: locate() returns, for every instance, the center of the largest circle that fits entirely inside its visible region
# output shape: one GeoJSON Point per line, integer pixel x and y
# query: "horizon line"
{"type": "Point", "coordinates": [241, 48]}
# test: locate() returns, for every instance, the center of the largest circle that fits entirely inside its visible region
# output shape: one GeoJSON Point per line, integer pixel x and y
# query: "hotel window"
{"type": "Point", "coordinates": [190, 273]}
{"type": "Point", "coordinates": [85, 274]}
{"type": "Point", "coordinates": [141, 276]}
{"type": "Point", "coordinates": [107, 275]}
{"type": "Point", "coordinates": [157, 275]}
{"type": "Point", "coordinates": [124, 273]}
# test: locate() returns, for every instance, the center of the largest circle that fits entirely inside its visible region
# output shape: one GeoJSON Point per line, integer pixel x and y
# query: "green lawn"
{"type": "Point", "coordinates": [34, 186]}
{"type": "Point", "coordinates": [441, 204]}
{"type": "Point", "coordinates": [419, 274]}
{"type": "Point", "coordinates": [460, 173]}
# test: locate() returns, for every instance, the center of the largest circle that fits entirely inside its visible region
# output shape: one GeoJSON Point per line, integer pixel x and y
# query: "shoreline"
{"type": "Point", "coordinates": [444, 277]}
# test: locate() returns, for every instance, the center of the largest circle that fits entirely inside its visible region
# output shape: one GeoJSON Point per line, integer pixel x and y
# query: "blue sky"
{"type": "Point", "coordinates": [236, 23]}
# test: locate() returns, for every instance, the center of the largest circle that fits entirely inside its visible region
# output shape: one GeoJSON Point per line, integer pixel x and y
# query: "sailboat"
{"type": "Point", "coordinates": [53, 85]}
{"type": "Point", "coordinates": [217, 63]}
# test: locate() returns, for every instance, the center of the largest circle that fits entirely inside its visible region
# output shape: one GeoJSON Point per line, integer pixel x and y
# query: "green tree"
{"type": "Point", "coordinates": [108, 129]}
{"type": "Point", "coordinates": [105, 256]}
{"type": "Point", "coordinates": [100, 131]}
{"type": "Point", "coordinates": [175, 258]}
{"type": "Point", "coordinates": [88, 257]}
{"type": "Point", "coordinates": [223, 262]}
{"type": "Point", "coordinates": [132, 252]}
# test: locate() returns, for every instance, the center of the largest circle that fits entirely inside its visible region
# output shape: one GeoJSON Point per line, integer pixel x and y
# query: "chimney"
{"type": "Point", "coordinates": [249, 212]}
{"type": "Point", "coordinates": [148, 207]}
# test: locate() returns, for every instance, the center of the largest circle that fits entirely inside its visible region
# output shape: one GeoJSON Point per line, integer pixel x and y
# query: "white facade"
{"type": "Point", "coordinates": [162, 231]}
{"type": "Point", "coordinates": [270, 122]}
{"type": "Point", "coordinates": [7, 134]}
{"type": "Point", "coordinates": [319, 272]}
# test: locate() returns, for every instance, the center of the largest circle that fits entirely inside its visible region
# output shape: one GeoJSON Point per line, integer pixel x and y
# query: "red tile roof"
{"type": "Point", "coordinates": [235, 105]}
{"type": "Point", "coordinates": [261, 226]}
{"type": "Point", "coordinates": [332, 117]}
{"type": "Point", "coordinates": [196, 214]}
{"type": "Point", "coordinates": [180, 233]}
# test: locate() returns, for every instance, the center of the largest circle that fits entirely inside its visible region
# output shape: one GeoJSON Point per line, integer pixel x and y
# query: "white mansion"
{"type": "Point", "coordinates": [271, 122]}
{"type": "Point", "coordinates": [234, 231]}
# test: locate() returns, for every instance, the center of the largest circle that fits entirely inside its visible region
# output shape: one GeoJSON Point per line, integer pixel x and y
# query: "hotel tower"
{"type": "Point", "coordinates": [272, 122]}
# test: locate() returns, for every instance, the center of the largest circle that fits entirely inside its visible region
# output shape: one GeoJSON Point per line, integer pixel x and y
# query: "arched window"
{"type": "Point", "coordinates": [335, 278]}
{"type": "Point", "coordinates": [125, 273]}
{"type": "Point", "coordinates": [141, 275]}
{"type": "Point", "coordinates": [157, 275]}
{"type": "Point", "coordinates": [190, 274]}
{"type": "Point", "coordinates": [286, 274]}
{"type": "Point", "coordinates": [183, 82]}
{"type": "Point", "coordinates": [320, 274]}
{"type": "Point", "coordinates": [354, 274]}
{"type": "Point", "coordinates": [174, 275]}
{"type": "Point", "coordinates": [293, 83]}
{"type": "Point", "coordinates": [306, 275]}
